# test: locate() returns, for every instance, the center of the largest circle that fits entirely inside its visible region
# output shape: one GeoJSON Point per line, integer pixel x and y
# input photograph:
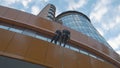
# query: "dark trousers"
{"type": "Point", "coordinates": [55, 39]}
{"type": "Point", "coordinates": [64, 40]}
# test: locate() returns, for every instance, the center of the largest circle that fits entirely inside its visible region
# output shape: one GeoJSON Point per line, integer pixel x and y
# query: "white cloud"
{"type": "Point", "coordinates": [38, 5]}
{"type": "Point", "coordinates": [35, 10]}
{"type": "Point", "coordinates": [100, 9]}
{"type": "Point", "coordinates": [8, 2]}
{"type": "Point", "coordinates": [45, 0]}
{"type": "Point", "coordinates": [11, 1]}
{"type": "Point", "coordinates": [57, 12]}
{"type": "Point", "coordinates": [115, 42]}
{"type": "Point", "coordinates": [111, 24]}
{"type": "Point", "coordinates": [98, 14]}
{"type": "Point", "coordinates": [72, 5]}
{"type": "Point", "coordinates": [118, 52]}
{"type": "Point", "coordinates": [25, 2]}
{"type": "Point", "coordinates": [115, 22]}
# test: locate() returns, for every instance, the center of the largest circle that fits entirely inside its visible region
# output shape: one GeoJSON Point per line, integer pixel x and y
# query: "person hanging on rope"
{"type": "Point", "coordinates": [57, 36]}
{"type": "Point", "coordinates": [65, 37]}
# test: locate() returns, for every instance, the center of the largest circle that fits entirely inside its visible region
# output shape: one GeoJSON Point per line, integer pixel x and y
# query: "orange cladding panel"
{"type": "Point", "coordinates": [5, 38]}
{"type": "Point", "coordinates": [105, 50]}
{"type": "Point", "coordinates": [116, 56]}
{"type": "Point", "coordinates": [94, 44]}
{"type": "Point", "coordinates": [37, 51]}
{"type": "Point", "coordinates": [11, 14]}
{"type": "Point", "coordinates": [3, 10]}
{"type": "Point", "coordinates": [23, 17]}
{"type": "Point", "coordinates": [96, 63]}
{"type": "Point", "coordinates": [100, 64]}
{"type": "Point", "coordinates": [106, 64]}
{"type": "Point", "coordinates": [70, 59]}
{"type": "Point", "coordinates": [84, 61]}
{"type": "Point", "coordinates": [45, 24]}
{"type": "Point", "coordinates": [54, 56]}
{"type": "Point", "coordinates": [76, 36]}
{"type": "Point", "coordinates": [32, 20]}
{"type": "Point", "coordinates": [19, 45]}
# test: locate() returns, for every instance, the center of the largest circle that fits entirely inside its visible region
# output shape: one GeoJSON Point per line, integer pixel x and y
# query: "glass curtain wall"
{"type": "Point", "coordinates": [80, 23]}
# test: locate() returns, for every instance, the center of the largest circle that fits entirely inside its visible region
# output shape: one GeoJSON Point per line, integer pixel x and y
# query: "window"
{"type": "Point", "coordinates": [4, 26]}
{"type": "Point", "coordinates": [16, 29]}
{"type": "Point", "coordinates": [6, 62]}
{"type": "Point", "coordinates": [92, 55]}
{"type": "Point", "coordinates": [74, 48]}
{"type": "Point", "coordinates": [83, 52]}
{"type": "Point", "coordinates": [29, 32]}
{"type": "Point", "coordinates": [39, 36]}
{"type": "Point", "coordinates": [67, 46]}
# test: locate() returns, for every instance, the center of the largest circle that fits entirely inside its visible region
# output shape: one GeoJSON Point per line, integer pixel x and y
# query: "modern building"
{"type": "Point", "coordinates": [25, 41]}
{"type": "Point", "coordinates": [48, 12]}
{"type": "Point", "coordinates": [81, 23]}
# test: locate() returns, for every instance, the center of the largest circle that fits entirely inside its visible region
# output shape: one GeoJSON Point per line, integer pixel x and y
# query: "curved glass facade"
{"type": "Point", "coordinates": [80, 22]}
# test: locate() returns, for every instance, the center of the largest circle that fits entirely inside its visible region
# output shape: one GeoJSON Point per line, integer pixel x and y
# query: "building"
{"type": "Point", "coordinates": [48, 12]}
{"type": "Point", "coordinates": [25, 42]}
{"type": "Point", "coordinates": [81, 23]}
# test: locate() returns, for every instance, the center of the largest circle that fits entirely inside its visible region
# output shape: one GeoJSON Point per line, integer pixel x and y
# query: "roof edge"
{"type": "Point", "coordinates": [63, 13]}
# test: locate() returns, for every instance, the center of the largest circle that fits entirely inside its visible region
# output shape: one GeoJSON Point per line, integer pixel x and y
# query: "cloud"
{"type": "Point", "coordinates": [72, 5]}
{"type": "Point", "coordinates": [99, 10]}
{"type": "Point", "coordinates": [107, 16]}
{"type": "Point", "coordinates": [14, 2]}
{"type": "Point", "coordinates": [115, 42]}
{"type": "Point", "coordinates": [46, 0]}
{"type": "Point", "coordinates": [98, 14]}
{"type": "Point", "coordinates": [25, 2]}
{"type": "Point", "coordinates": [8, 2]}
{"type": "Point", "coordinates": [37, 6]}
{"type": "Point", "coordinates": [113, 21]}
{"type": "Point", "coordinates": [35, 10]}
{"type": "Point", "coordinates": [118, 52]}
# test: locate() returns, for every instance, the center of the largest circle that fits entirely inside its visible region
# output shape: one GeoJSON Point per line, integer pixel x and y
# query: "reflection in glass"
{"type": "Point", "coordinates": [16, 29]}
{"type": "Point", "coordinates": [81, 23]}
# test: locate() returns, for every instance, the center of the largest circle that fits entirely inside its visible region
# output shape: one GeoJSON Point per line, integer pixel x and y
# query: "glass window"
{"type": "Point", "coordinates": [29, 32]}
{"type": "Point", "coordinates": [51, 9]}
{"type": "Point", "coordinates": [67, 46]}
{"type": "Point", "coordinates": [91, 55]}
{"type": "Point", "coordinates": [4, 26]}
{"type": "Point", "coordinates": [100, 59]}
{"type": "Point", "coordinates": [16, 29]}
{"type": "Point", "coordinates": [51, 12]}
{"type": "Point", "coordinates": [48, 39]}
{"type": "Point", "coordinates": [50, 18]}
{"type": "Point", "coordinates": [74, 48]}
{"type": "Point", "coordinates": [84, 52]}
{"type": "Point", "coordinates": [6, 62]}
{"type": "Point", "coordinates": [39, 36]}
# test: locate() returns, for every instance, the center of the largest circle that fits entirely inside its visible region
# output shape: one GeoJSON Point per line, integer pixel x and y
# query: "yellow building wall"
{"type": "Point", "coordinates": [45, 53]}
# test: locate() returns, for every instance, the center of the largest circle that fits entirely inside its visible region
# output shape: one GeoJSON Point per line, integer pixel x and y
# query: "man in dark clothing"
{"type": "Point", "coordinates": [65, 37]}
{"type": "Point", "coordinates": [57, 36]}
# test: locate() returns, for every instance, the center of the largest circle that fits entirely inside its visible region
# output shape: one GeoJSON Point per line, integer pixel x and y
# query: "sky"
{"type": "Point", "coordinates": [104, 14]}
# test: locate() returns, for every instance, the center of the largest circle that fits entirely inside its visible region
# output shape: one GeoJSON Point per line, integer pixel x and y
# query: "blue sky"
{"type": "Point", "coordinates": [104, 14]}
